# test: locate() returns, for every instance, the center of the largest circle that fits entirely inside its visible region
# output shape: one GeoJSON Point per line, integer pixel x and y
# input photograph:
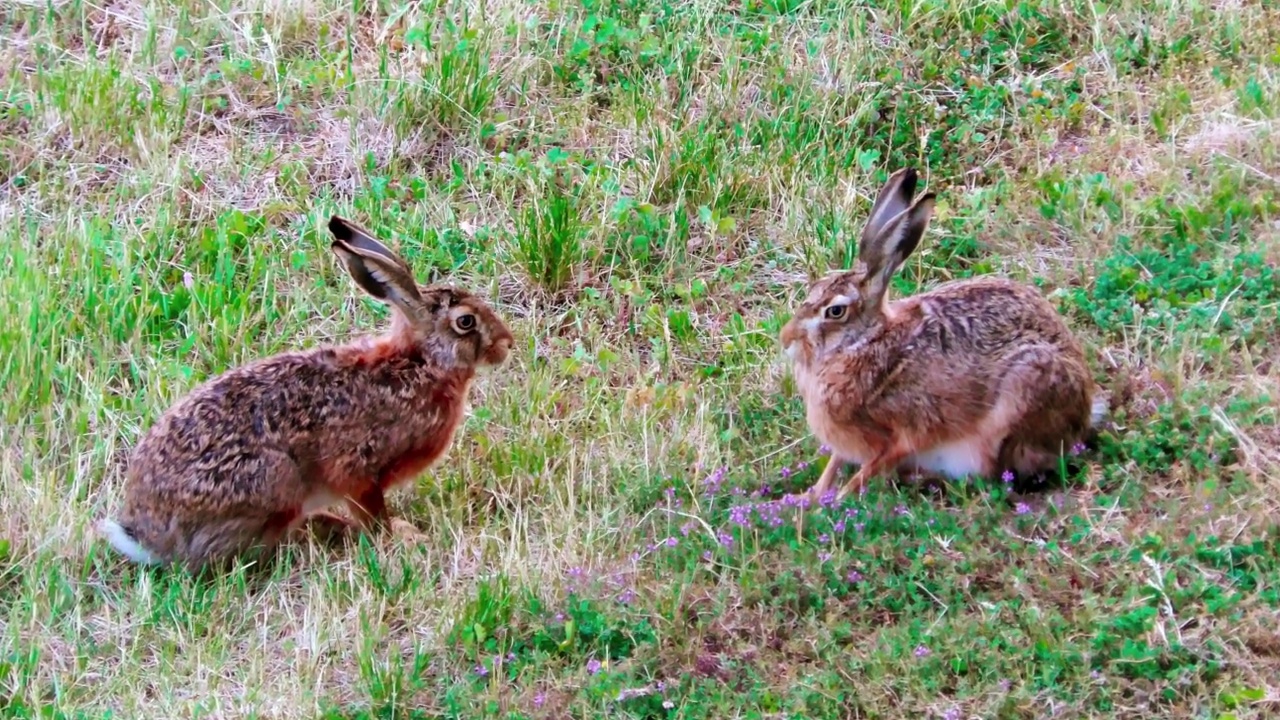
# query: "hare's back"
{"type": "Point", "coordinates": [234, 418]}
{"type": "Point", "coordinates": [987, 315]}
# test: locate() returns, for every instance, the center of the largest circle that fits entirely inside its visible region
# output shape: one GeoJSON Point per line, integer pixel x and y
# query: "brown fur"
{"type": "Point", "coordinates": [977, 375]}
{"type": "Point", "coordinates": [245, 457]}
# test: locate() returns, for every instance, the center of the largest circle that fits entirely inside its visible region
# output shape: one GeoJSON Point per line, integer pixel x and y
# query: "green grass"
{"type": "Point", "coordinates": [643, 189]}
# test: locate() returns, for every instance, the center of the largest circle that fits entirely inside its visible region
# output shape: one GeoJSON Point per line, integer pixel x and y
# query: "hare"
{"type": "Point", "coordinates": [251, 454]}
{"type": "Point", "coordinates": [972, 378]}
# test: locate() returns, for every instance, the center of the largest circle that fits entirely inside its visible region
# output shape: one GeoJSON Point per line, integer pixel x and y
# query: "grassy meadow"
{"type": "Point", "coordinates": [643, 190]}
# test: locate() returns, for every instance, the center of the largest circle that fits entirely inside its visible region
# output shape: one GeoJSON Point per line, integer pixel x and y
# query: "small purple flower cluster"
{"type": "Point", "coordinates": [672, 500]}
{"type": "Point", "coordinates": [482, 670]}
{"type": "Point", "coordinates": [1022, 508]}
{"type": "Point", "coordinates": [1078, 448]}
{"type": "Point", "coordinates": [922, 651]}
{"type": "Point", "coordinates": [711, 486]}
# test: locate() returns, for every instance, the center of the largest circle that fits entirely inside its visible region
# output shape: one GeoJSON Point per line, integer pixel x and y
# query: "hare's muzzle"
{"type": "Point", "coordinates": [790, 334]}
{"type": "Point", "coordinates": [499, 351]}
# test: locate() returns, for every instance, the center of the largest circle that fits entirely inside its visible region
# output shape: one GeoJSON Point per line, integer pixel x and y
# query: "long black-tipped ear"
{"type": "Point", "coordinates": [898, 238]}
{"type": "Point", "coordinates": [894, 198]}
{"type": "Point", "coordinates": [375, 268]}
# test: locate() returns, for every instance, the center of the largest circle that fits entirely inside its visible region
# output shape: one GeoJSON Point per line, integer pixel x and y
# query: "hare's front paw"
{"type": "Point", "coordinates": [329, 528]}
{"type": "Point", "coordinates": [405, 530]}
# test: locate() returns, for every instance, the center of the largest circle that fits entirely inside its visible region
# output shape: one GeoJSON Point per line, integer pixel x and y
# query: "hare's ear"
{"type": "Point", "coordinates": [374, 267]}
{"type": "Point", "coordinates": [898, 237]}
{"type": "Point", "coordinates": [894, 197]}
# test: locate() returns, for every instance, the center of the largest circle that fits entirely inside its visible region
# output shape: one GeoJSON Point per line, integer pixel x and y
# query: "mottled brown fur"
{"type": "Point", "coordinates": [247, 456]}
{"type": "Point", "coordinates": [973, 377]}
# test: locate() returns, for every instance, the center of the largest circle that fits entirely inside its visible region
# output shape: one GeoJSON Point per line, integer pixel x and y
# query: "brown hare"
{"type": "Point", "coordinates": [251, 454]}
{"type": "Point", "coordinates": [972, 378]}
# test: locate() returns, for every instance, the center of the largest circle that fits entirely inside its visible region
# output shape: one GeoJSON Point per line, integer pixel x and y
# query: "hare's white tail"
{"type": "Point", "coordinates": [125, 544]}
{"type": "Point", "coordinates": [1101, 407]}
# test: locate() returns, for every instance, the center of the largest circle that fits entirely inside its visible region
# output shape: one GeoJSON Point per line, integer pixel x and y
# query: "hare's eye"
{"type": "Point", "coordinates": [464, 323]}
{"type": "Point", "coordinates": [835, 312]}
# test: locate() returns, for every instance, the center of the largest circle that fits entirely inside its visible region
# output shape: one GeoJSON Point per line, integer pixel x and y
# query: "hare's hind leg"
{"type": "Point", "coordinates": [1046, 408]}
{"type": "Point", "coordinates": [251, 507]}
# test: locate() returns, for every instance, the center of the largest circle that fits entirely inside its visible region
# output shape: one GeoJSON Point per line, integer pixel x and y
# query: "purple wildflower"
{"type": "Point", "coordinates": [539, 699]}
{"type": "Point", "coordinates": [1021, 508]}
{"type": "Point", "coordinates": [627, 597]}
{"type": "Point", "coordinates": [854, 576]}
{"type": "Point", "coordinates": [706, 554]}
{"type": "Point", "coordinates": [824, 538]}
{"type": "Point", "coordinates": [952, 713]}
{"type": "Point", "coordinates": [482, 670]}
{"type": "Point", "coordinates": [824, 556]}
{"type": "Point", "coordinates": [1007, 476]}
{"type": "Point", "coordinates": [824, 450]}
{"type": "Point", "coordinates": [922, 651]}
{"type": "Point", "coordinates": [593, 666]}
{"type": "Point", "coordinates": [672, 542]}
{"type": "Point", "coordinates": [802, 465]}
{"type": "Point", "coordinates": [188, 280]}
{"type": "Point", "coordinates": [725, 539]}
{"type": "Point", "coordinates": [838, 527]}
{"type": "Point", "coordinates": [786, 472]}
{"type": "Point", "coordinates": [1077, 448]}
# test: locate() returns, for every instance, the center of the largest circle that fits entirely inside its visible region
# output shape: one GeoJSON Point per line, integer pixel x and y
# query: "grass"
{"type": "Point", "coordinates": [644, 189]}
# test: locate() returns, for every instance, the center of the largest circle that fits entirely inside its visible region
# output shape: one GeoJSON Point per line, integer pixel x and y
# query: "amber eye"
{"type": "Point", "coordinates": [464, 323]}
{"type": "Point", "coordinates": [835, 312]}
